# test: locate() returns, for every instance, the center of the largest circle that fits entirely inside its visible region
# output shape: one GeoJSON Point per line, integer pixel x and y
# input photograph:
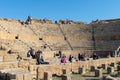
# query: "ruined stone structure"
{"type": "Point", "coordinates": [101, 37]}
{"type": "Point", "coordinates": [97, 36]}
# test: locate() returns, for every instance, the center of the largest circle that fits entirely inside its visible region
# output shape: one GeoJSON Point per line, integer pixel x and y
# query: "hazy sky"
{"type": "Point", "coordinates": [77, 10]}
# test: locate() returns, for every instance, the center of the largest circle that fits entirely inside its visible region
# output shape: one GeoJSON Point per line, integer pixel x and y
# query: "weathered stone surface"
{"type": "Point", "coordinates": [110, 78]}
{"type": "Point", "coordinates": [92, 68]}
{"type": "Point", "coordinates": [81, 70]}
{"type": "Point", "coordinates": [66, 77]}
{"type": "Point", "coordinates": [104, 66]}
{"type": "Point", "coordinates": [98, 72]}
{"type": "Point", "coordinates": [47, 76]}
{"type": "Point", "coordinates": [118, 68]}
{"type": "Point", "coordinates": [113, 64]}
{"type": "Point", "coordinates": [8, 58]}
{"type": "Point", "coordinates": [118, 73]}
{"type": "Point", "coordinates": [27, 76]}
{"type": "Point", "coordinates": [20, 77]}
{"type": "Point", "coordinates": [110, 69]}
{"type": "Point", "coordinates": [1, 58]}
{"type": "Point", "coordinates": [23, 64]}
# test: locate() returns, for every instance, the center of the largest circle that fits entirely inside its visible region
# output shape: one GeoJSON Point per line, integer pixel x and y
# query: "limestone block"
{"type": "Point", "coordinates": [78, 38]}
{"type": "Point", "coordinates": [98, 72]}
{"type": "Point", "coordinates": [32, 61]}
{"type": "Point", "coordinates": [19, 77]}
{"type": "Point", "coordinates": [27, 76]}
{"type": "Point", "coordinates": [110, 78]}
{"type": "Point", "coordinates": [75, 66]}
{"type": "Point", "coordinates": [7, 65]}
{"type": "Point", "coordinates": [56, 69]}
{"type": "Point", "coordinates": [9, 36]}
{"type": "Point", "coordinates": [48, 68]}
{"type": "Point", "coordinates": [26, 37]}
{"type": "Point", "coordinates": [2, 53]}
{"type": "Point", "coordinates": [9, 57]}
{"type": "Point", "coordinates": [13, 64]}
{"type": "Point", "coordinates": [92, 68]}
{"type": "Point", "coordinates": [104, 66]}
{"type": "Point", "coordinates": [41, 71]}
{"type": "Point", "coordinates": [1, 58]}
{"type": "Point", "coordinates": [118, 68]}
{"type": "Point", "coordinates": [118, 63]}
{"type": "Point", "coordinates": [53, 38]}
{"type": "Point", "coordinates": [23, 55]}
{"type": "Point", "coordinates": [66, 71]}
{"type": "Point", "coordinates": [33, 67]}
{"type": "Point", "coordinates": [66, 77]}
{"type": "Point", "coordinates": [81, 70]}
{"type": "Point", "coordinates": [118, 73]}
{"type": "Point", "coordinates": [113, 65]}
{"type": "Point", "coordinates": [110, 70]}
{"type": "Point", "coordinates": [33, 74]}
{"type": "Point", "coordinates": [15, 76]}
{"type": "Point", "coordinates": [47, 76]}
{"type": "Point", "coordinates": [23, 64]}
{"type": "Point", "coordinates": [48, 54]}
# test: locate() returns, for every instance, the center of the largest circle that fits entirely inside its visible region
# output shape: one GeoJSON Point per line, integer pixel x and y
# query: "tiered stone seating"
{"type": "Point", "coordinates": [78, 42]}
{"type": "Point", "coordinates": [14, 26]}
{"type": "Point", "coordinates": [78, 36]}
{"type": "Point", "coordinates": [106, 35]}
{"type": "Point", "coordinates": [75, 36]}
{"type": "Point", "coordinates": [46, 29]}
{"type": "Point", "coordinates": [59, 45]}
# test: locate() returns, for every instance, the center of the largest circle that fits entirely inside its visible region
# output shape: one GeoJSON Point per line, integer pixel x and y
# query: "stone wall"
{"type": "Point", "coordinates": [53, 38]}
{"type": "Point", "coordinates": [8, 36]}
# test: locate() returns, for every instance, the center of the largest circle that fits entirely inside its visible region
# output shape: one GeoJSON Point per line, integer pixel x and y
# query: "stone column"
{"type": "Point", "coordinates": [118, 63]}
{"type": "Point", "coordinates": [81, 70]}
{"type": "Point", "coordinates": [113, 65]}
{"type": "Point", "coordinates": [98, 72]}
{"type": "Point", "coordinates": [118, 73]}
{"type": "Point", "coordinates": [66, 71]}
{"type": "Point", "coordinates": [104, 66]}
{"type": "Point", "coordinates": [66, 77]}
{"type": "Point", "coordinates": [92, 68]}
{"type": "Point", "coordinates": [118, 68]}
{"type": "Point", "coordinates": [110, 69]}
{"type": "Point", "coordinates": [47, 76]}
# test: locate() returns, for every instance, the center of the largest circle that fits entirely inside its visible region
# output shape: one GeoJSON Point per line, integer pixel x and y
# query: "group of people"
{"type": "Point", "coordinates": [29, 21]}
{"type": "Point", "coordinates": [65, 22]}
{"type": "Point", "coordinates": [40, 60]}
{"type": "Point", "coordinates": [37, 55]}
{"type": "Point", "coordinates": [80, 57]}
{"type": "Point", "coordinates": [70, 59]}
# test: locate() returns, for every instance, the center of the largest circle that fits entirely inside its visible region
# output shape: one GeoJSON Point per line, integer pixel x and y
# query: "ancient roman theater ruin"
{"type": "Point", "coordinates": [54, 40]}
